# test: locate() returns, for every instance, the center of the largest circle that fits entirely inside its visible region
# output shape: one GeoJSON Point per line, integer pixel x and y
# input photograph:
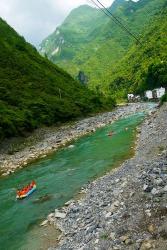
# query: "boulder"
{"type": "Point", "coordinates": [59, 214]}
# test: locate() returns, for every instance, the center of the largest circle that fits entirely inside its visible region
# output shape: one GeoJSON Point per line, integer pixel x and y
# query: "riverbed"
{"type": "Point", "coordinates": [125, 209]}
{"type": "Point", "coordinates": [59, 177]}
{"type": "Point", "coordinates": [17, 153]}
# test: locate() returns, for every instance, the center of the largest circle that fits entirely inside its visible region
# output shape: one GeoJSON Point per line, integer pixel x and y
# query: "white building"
{"type": "Point", "coordinates": [149, 94]}
{"type": "Point", "coordinates": [159, 92]}
{"type": "Point", "coordinates": [137, 98]}
{"type": "Point", "coordinates": [130, 97]}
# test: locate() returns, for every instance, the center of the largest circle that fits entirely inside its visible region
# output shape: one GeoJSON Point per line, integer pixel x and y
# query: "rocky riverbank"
{"type": "Point", "coordinates": [52, 140]}
{"type": "Point", "coordinates": [127, 208]}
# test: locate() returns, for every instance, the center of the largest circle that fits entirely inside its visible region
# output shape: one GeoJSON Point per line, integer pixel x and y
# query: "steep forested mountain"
{"type": "Point", "coordinates": [144, 66]}
{"type": "Point", "coordinates": [89, 41]}
{"type": "Point", "coordinates": [33, 91]}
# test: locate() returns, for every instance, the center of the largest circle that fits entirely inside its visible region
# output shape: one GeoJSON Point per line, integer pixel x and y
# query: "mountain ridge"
{"type": "Point", "coordinates": [107, 43]}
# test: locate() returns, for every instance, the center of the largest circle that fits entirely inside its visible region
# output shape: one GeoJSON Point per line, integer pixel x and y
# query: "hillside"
{"type": "Point", "coordinates": [144, 66]}
{"type": "Point", "coordinates": [89, 41]}
{"type": "Point", "coordinates": [35, 92]}
{"type": "Point", "coordinates": [71, 38]}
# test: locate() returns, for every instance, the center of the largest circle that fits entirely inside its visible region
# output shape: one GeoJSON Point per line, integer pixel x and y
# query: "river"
{"type": "Point", "coordinates": [59, 177]}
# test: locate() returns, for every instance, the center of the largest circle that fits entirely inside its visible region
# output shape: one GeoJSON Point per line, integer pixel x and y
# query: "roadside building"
{"type": "Point", "coordinates": [149, 94]}
{"type": "Point", "coordinates": [134, 98]}
{"type": "Point", "coordinates": [130, 97]}
{"type": "Point", "coordinates": [158, 93]}
{"type": "Point", "coordinates": [137, 98]}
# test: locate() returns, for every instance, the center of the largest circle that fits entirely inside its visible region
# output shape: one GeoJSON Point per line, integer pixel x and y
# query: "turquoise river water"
{"type": "Point", "coordinates": [59, 177]}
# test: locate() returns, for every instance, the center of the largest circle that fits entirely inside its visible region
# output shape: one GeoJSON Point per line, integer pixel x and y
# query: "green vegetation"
{"type": "Point", "coordinates": [89, 41]}
{"type": "Point", "coordinates": [35, 92]}
{"type": "Point", "coordinates": [144, 67]}
{"type": "Point", "coordinates": [163, 99]}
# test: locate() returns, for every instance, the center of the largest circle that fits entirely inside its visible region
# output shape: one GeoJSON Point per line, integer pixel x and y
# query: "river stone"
{"type": "Point", "coordinates": [128, 241]}
{"type": "Point", "coordinates": [69, 202]}
{"type": "Point", "coordinates": [152, 228]}
{"type": "Point", "coordinates": [108, 215]}
{"type": "Point", "coordinates": [51, 217]}
{"type": "Point", "coordinates": [112, 236]}
{"type": "Point", "coordinates": [154, 191]}
{"type": "Point", "coordinates": [146, 246]}
{"type": "Point", "coordinates": [146, 188]}
{"type": "Point", "coordinates": [59, 215]}
{"type": "Point", "coordinates": [44, 223]}
{"type": "Point", "coordinates": [124, 238]}
{"type": "Point", "coordinates": [148, 212]}
{"type": "Point", "coordinates": [112, 209]}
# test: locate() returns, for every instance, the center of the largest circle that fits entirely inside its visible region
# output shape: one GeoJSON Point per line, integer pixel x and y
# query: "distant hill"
{"type": "Point", "coordinates": [35, 92]}
{"type": "Point", "coordinates": [90, 42]}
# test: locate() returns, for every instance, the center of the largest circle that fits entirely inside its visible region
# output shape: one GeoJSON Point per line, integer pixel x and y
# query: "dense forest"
{"type": "Point", "coordinates": [89, 41]}
{"type": "Point", "coordinates": [144, 66]}
{"type": "Point", "coordinates": [35, 92]}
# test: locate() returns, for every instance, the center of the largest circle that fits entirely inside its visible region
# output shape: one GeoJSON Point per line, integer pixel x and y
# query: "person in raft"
{"type": "Point", "coordinates": [26, 189]}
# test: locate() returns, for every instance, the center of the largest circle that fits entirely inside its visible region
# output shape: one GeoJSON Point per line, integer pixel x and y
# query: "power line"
{"type": "Point", "coordinates": [115, 19]}
{"type": "Point", "coordinates": [102, 10]}
{"type": "Point", "coordinates": [120, 23]}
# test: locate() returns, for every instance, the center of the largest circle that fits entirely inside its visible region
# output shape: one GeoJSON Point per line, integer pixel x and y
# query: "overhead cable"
{"type": "Point", "coordinates": [108, 13]}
